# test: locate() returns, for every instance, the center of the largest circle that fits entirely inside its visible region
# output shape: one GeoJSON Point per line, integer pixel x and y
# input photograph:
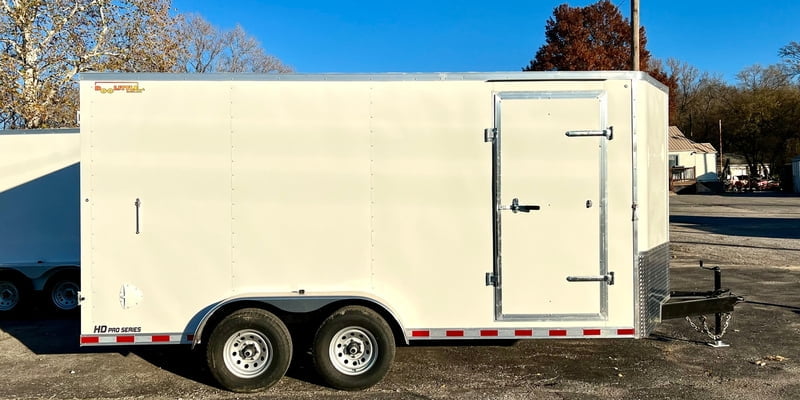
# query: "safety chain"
{"type": "Point", "coordinates": [706, 330]}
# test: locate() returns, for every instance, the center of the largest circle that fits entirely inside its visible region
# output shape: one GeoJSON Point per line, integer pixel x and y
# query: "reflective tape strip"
{"type": "Point", "coordinates": [164, 338]}
{"type": "Point", "coordinates": [519, 333]}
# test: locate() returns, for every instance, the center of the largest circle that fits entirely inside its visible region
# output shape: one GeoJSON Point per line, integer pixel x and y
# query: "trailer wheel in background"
{"type": "Point", "coordinates": [249, 350]}
{"type": "Point", "coordinates": [353, 348]}
{"type": "Point", "coordinates": [62, 291]}
{"type": "Point", "coordinates": [13, 294]}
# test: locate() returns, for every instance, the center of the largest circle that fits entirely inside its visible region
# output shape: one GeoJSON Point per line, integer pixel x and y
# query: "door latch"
{"type": "Point", "coordinates": [515, 207]}
{"type": "Point", "coordinates": [489, 134]}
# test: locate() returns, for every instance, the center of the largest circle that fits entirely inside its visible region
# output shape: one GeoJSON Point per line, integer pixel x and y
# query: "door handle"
{"type": "Point", "coordinates": [607, 133]}
{"type": "Point", "coordinates": [609, 279]}
{"type": "Point", "coordinates": [515, 207]}
{"type": "Point", "coordinates": [137, 204]}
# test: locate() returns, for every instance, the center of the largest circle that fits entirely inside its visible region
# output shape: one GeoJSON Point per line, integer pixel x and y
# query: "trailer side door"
{"type": "Point", "coordinates": [549, 162]}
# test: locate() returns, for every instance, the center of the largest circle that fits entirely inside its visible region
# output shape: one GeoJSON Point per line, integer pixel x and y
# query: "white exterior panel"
{"type": "Point", "coordinates": [39, 201]}
{"type": "Point", "coordinates": [380, 187]}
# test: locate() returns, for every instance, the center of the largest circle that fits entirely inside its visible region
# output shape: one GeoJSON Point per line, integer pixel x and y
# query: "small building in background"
{"type": "Point", "coordinates": [796, 174]}
{"type": "Point", "coordinates": [693, 166]}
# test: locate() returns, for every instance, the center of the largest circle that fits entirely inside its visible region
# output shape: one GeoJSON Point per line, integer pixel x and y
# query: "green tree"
{"type": "Point", "coordinates": [761, 116]}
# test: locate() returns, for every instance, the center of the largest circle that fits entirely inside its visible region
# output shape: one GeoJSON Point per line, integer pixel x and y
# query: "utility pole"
{"type": "Point", "coordinates": [635, 34]}
{"type": "Point", "coordinates": [721, 167]}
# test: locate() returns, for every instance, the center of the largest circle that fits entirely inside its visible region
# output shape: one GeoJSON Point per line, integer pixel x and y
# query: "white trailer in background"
{"type": "Point", "coordinates": [39, 218]}
{"type": "Point", "coordinates": [222, 209]}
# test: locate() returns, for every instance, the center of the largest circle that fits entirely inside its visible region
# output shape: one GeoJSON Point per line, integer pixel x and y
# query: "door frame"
{"type": "Point", "coordinates": [495, 138]}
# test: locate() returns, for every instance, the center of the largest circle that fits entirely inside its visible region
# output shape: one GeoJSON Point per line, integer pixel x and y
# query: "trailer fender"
{"type": "Point", "coordinates": [291, 304]}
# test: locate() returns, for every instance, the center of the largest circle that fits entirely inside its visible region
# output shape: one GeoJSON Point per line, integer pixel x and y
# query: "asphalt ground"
{"type": "Point", "coordinates": [754, 238]}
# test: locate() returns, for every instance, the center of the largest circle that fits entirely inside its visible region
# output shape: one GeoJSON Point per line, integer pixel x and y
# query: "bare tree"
{"type": "Point", "coordinates": [203, 44]}
{"type": "Point", "coordinates": [690, 96]}
{"type": "Point", "coordinates": [209, 49]}
{"type": "Point", "coordinates": [45, 44]}
{"type": "Point", "coordinates": [791, 57]}
{"type": "Point", "coordinates": [757, 77]}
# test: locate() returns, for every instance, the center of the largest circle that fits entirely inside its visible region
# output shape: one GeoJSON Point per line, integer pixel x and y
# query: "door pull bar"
{"type": "Point", "coordinates": [137, 204]}
{"type": "Point", "coordinates": [609, 279]}
{"type": "Point", "coordinates": [607, 133]}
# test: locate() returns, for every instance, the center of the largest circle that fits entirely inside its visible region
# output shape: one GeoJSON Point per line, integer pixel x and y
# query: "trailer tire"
{"type": "Point", "coordinates": [14, 294]}
{"type": "Point", "coordinates": [353, 348]}
{"type": "Point", "coordinates": [62, 292]}
{"type": "Point", "coordinates": [249, 350]}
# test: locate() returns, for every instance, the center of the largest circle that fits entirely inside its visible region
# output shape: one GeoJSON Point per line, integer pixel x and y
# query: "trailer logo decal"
{"type": "Point", "coordinates": [117, 329]}
{"type": "Point", "coordinates": [112, 87]}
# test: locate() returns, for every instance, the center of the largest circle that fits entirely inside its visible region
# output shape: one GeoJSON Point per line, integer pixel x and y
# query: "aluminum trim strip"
{"type": "Point", "coordinates": [496, 215]}
{"type": "Point", "coordinates": [387, 76]}
{"type": "Point", "coordinates": [39, 131]}
{"type": "Point", "coordinates": [546, 95]}
{"type": "Point", "coordinates": [636, 262]}
{"type": "Point", "coordinates": [603, 99]}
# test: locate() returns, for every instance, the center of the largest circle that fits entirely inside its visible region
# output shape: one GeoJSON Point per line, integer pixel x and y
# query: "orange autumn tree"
{"type": "Point", "coordinates": [591, 38]}
{"type": "Point", "coordinates": [594, 38]}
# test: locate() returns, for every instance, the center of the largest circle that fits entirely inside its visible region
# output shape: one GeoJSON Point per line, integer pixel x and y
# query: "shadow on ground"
{"type": "Point", "coordinates": [775, 228]}
{"type": "Point", "coordinates": [48, 335]}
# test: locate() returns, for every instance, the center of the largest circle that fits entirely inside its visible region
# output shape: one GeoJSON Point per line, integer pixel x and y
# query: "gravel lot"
{"type": "Point", "coordinates": [755, 238]}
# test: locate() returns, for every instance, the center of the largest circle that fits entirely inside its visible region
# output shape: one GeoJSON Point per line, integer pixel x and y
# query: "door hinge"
{"type": "Point", "coordinates": [491, 279]}
{"type": "Point", "coordinates": [489, 134]}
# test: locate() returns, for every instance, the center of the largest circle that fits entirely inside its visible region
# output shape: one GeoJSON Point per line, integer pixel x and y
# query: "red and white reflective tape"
{"type": "Point", "coordinates": [520, 333]}
{"type": "Point", "coordinates": [164, 338]}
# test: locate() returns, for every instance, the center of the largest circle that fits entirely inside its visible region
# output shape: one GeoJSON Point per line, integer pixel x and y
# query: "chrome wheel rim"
{"type": "Point", "coordinates": [247, 353]}
{"type": "Point", "coordinates": [353, 350]}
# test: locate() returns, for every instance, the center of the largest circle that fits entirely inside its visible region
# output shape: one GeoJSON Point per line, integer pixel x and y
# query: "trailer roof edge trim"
{"type": "Point", "coordinates": [54, 131]}
{"type": "Point", "coordinates": [387, 76]}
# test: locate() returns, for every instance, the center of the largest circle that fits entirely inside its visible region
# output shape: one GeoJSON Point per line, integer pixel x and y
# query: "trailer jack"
{"type": "Point", "coordinates": [720, 302]}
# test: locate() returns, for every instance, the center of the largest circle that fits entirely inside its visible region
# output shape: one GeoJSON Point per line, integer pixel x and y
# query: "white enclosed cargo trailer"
{"type": "Point", "coordinates": [39, 218]}
{"type": "Point", "coordinates": [218, 209]}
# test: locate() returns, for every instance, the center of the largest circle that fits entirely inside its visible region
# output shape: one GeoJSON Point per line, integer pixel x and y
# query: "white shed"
{"type": "Point", "coordinates": [796, 173]}
{"type": "Point", "coordinates": [690, 155]}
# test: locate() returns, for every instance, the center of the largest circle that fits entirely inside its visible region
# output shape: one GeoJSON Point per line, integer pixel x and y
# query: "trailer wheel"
{"type": "Point", "coordinates": [13, 295]}
{"type": "Point", "coordinates": [62, 291]}
{"type": "Point", "coordinates": [353, 348]}
{"type": "Point", "coordinates": [249, 350]}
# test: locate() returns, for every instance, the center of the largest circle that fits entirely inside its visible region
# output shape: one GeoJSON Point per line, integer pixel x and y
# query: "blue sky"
{"type": "Point", "coordinates": [716, 36]}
